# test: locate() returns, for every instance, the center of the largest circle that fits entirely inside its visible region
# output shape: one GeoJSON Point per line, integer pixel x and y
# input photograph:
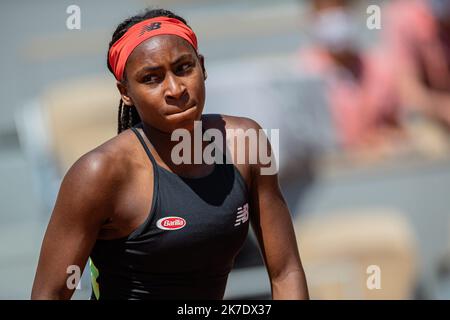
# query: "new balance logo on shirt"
{"type": "Point", "coordinates": [242, 215]}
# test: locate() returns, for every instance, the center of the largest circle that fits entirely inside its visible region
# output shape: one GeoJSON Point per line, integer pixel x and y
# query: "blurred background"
{"type": "Point", "coordinates": [363, 113]}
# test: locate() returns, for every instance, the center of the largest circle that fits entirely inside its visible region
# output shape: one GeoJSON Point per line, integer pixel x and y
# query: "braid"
{"type": "Point", "coordinates": [128, 115]}
{"type": "Point", "coordinates": [119, 118]}
{"type": "Point", "coordinates": [130, 118]}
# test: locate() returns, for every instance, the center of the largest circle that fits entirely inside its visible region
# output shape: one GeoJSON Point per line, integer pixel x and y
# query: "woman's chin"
{"type": "Point", "coordinates": [187, 124]}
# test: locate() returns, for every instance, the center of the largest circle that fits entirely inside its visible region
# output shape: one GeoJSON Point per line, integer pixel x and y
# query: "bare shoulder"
{"type": "Point", "coordinates": [104, 167]}
{"type": "Point", "coordinates": [234, 122]}
{"type": "Point", "coordinates": [230, 126]}
{"type": "Point", "coordinates": [260, 153]}
{"type": "Point", "coordinates": [234, 129]}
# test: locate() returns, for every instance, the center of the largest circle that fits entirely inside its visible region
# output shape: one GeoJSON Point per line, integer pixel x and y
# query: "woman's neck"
{"type": "Point", "coordinates": [163, 144]}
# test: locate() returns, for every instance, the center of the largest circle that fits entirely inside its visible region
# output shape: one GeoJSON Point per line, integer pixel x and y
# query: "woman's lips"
{"type": "Point", "coordinates": [182, 114]}
{"type": "Point", "coordinates": [171, 109]}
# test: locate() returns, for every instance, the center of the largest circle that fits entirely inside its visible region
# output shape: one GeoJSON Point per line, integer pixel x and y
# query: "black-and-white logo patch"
{"type": "Point", "coordinates": [242, 215]}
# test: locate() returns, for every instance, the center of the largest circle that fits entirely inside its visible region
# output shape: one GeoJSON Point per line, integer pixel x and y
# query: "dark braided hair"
{"type": "Point", "coordinates": [128, 115]}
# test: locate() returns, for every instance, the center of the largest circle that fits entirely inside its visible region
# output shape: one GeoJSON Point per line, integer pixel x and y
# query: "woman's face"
{"type": "Point", "coordinates": [165, 81]}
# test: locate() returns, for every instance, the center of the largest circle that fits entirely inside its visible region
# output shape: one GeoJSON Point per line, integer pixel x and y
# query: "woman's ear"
{"type": "Point", "coordinates": [201, 58]}
{"type": "Point", "coordinates": [124, 93]}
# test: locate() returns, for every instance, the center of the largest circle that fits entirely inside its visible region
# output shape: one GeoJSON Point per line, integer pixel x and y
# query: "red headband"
{"type": "Point", "coordinates": [122, 48]}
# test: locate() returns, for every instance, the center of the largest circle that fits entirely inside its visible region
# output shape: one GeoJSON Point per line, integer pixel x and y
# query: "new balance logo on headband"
{"type": "Point", "coordinates": [242, 215]}
{"type": "Point", "coordinates": [141, 31]}
{"type": "Point", "coordinates": [150, 27]}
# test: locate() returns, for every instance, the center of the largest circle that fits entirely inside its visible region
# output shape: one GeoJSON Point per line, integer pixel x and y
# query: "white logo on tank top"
{"type": "Point", "coordinates": [242, 215]}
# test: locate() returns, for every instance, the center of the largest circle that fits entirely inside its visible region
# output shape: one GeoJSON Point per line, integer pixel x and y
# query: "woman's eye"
{"type": "Point", "coordinates": [185, 67]}
{"type": "Point", "coordinates": [150, 78]}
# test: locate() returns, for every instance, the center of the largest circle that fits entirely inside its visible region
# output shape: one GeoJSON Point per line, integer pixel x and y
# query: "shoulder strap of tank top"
{"type": "Point", "coordinates": [147, 150]}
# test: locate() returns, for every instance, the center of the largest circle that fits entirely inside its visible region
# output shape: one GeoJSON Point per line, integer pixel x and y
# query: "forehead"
{"type": "Point", "coordinates": [159, 50]}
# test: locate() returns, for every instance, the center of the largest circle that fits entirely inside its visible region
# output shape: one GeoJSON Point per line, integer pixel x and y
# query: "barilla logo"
{"type": "Point", "coordinates": [171, 223]}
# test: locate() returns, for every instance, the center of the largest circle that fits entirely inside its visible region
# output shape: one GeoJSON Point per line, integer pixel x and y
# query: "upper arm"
{"type": "Point", "coordinates": [82, 206]}
{"type": "Point", "coordinates": [270, 217]}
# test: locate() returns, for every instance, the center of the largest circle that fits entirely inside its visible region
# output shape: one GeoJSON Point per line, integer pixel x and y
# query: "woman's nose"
{"type": "Point", "coordinates": [175, 89]}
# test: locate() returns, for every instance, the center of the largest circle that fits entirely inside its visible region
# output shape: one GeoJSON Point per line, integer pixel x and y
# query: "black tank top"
{"type": "Point", "coordinates": [186, 247]}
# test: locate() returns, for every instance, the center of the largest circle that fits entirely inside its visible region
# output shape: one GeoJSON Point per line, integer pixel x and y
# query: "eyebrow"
{"type": "Point", "coordinates": [156, 68]}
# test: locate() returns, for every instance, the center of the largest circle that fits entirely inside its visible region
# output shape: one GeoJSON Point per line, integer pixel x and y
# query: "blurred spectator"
{"type": "Point", "coordinates": [360, 85]}
{"type": "Point", "coordinates": [417, 34]}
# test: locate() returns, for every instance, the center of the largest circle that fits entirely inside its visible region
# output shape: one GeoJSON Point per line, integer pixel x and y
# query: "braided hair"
{"type": "Point", "coordinates": [128, 115]}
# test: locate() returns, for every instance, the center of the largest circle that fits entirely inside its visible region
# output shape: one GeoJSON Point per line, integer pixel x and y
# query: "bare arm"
{"type": "Point", "coordinates": [273, 227]}
{"type": "Point", "coordinates": [83, 204]}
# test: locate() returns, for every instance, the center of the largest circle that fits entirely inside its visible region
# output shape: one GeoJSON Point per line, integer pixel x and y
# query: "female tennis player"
{"type": "Point", "coordinates": [152, 228]}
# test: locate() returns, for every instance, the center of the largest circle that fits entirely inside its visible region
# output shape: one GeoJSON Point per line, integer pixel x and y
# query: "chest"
{"type": "Point", "coordinates": [219, 204]}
